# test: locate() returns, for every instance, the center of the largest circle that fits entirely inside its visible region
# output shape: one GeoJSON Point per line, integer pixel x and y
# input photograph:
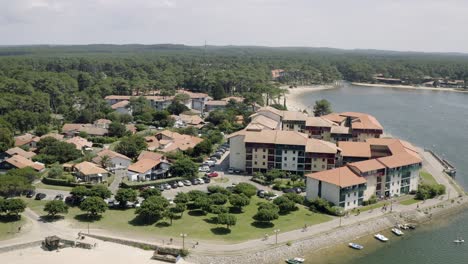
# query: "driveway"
{"type": "Point", "coordinates": [119, 175]}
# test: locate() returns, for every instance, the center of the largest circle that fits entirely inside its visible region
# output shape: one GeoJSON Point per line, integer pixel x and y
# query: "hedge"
{"type": "Point", "coordinates": [61, 182]}
{"type": "Point", "coordinates": [138, 185]}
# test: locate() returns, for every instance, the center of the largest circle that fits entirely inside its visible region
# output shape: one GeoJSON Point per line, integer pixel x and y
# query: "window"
{"type": "Point", "coordinates": [294, 158]}
{"type": "Point", "coordinates": [285, 158]}
{"type": "Point", "coordinates": [264, 156]}
{"type": "Point", "coordinates": [354, 193]}
{"type": "Point", "coordinates": [348, 203]}
{"type": "Point", "coordinates": [315, 166]}
{"type": "Point", "coordinates": [255, 163]}
{"type": "Point", "coordinates": [285, 165]}
{"type": "Point", "coordinates": [354, 202]}
{"type": "Point", "coordinates": [255, 150]}
{"type": "Point", "coordinates": [323, 166]}
{"type": "Point", "coordinates": [263, 163]}
{"type": "Point", "coordinates": [323, 160]}
{"type": "Point", "coordinates": [294, 152]}
{"type": "Point", "coordinates": [285, 151]}
{"type": "Point", "coordinates": [255, 156]}
{"type": "Point", "coordinates": [349, 195]}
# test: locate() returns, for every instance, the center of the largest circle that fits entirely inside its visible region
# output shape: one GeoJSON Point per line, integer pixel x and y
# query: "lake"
{"type": "Point", "coordinates": [436, 120]}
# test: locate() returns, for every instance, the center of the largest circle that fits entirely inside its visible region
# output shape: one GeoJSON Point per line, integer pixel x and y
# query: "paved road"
{"type": "Point", "coordinates": [52, 193]}
{"type": "Point", "coordinates": [119, 175]}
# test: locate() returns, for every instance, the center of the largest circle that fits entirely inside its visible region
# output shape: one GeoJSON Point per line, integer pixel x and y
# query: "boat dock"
{"type": "Point", "coordinates": [448, 167]}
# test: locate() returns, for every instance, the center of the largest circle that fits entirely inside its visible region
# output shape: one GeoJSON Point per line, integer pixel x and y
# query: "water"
{"type": "Point", "coordinates": [432, 119]}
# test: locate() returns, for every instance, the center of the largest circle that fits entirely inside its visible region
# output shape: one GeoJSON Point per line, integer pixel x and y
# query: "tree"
{"type": "Point", "coordinates": [41, 130]}
{"type": "Point", "coordinates": [182, 198]}
{"type": "Point", "coordinates": [12, 185]}
{"type": "Point", "coordinates": [131, 146]}
{"type": "Point", "coordinates": [203, 203]}
{"type": "Point", "coordinates": [117, 129]}
{"type": "Point", "coordinates": [100, 191]}
{"type": "Point", "coordinates": [195, 194]}
{"type": "Point", "coordinates": [79, 192]}
{"type": "Point", "coordinates": [227, 219]}
{"type": "Point", "coordinates": [184, 167]}
{"type": "Point", "coordinates": [180, 208]}
{"type": "Point", "coordinates": [218, 209]}
{"type": "Point", "coordinates": [239, 201]}
{"type": "Point", "coordinates": [105, 161]}
{"type": "Point", "coordinates": [218, 198]}
{"type": "Point", "coordinates": [273, 174]}
{"type": "Point", "coordinates": [52, 150]}
{"type": "Point", "coordinates": [217, 189]}
{"type": "Point", "coordinates": [247, 189]}
{"type": "Point", "coordinates": [322, 107]}
{"type": "Point", "coordinates": [152, 208]}
{"type": "Point", "coordinates": [169, 214]}
{"type": "Point", "coordinates": [55, 207]}
{"type": "Point", "coordinates": [150, 192]}
{"type": "Point", "coordinates": [6, 139]}
{"type": "Point", "coordinates": [265, 215]}
{"type": "Point", "coordinates": [284, 204]}
{"type": "Point", "coordinates": [55, 171]}
{"type": "Point", "coordinates": [177, 108]}
{"type": "Point", "coordinates": [93, 206]}
{"type": "Point", "coordinates": [299, 199]}
{"type": "Point", "coordinates": [203, 148]}
{"type": "Point", "coordinates": [14, 207]}
{"type": "Point", "coordinates": [124, 196]}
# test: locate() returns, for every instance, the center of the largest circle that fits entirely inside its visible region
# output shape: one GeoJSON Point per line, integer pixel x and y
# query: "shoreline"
{"type": "Point", "coordinates": [409, 87]}
{"type": "Point", "coordinates": [294, 93]}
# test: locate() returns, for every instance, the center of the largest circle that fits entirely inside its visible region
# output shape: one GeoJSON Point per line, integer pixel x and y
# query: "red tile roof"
{"type": "Point", "coordinates": [343, 177]}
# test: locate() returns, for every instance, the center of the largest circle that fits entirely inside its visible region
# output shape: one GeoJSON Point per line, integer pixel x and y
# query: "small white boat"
{"type": "Point", "coordinates": [300, 260]}
{"type": "Point", "coordinates": [397, 232]}
{"type": "Point", "coordinates": [381, 237]}
{"type": "Point", "coordinates": [295, 260]}
{"type": "Point", "coordinates": [459, 241]}
{"type": "Point", "coordinates": [355, 246]}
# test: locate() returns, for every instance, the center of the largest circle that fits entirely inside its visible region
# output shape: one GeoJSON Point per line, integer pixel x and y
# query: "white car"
{"type": "Point", "coordinates": [271, 198]}
{"type": "Point", "coordinates": [201, 181]}
{"type": "Point", "coordinates": [204, 169]}
{"type": "Point", "coordinates": [181, 184]}
{"type": "Point", "coordinates": [230, 170]}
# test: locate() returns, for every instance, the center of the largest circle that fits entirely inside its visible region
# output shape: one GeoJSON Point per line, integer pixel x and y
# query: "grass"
{"type": "Point", "coordinates": [220, 179]}
{"type": "Point", "coordinates": [373, 206]}
{"type": "Point", "coordinates": [427, 177]}
{"type": "Point", "coordinates": [41, 185]}
{"type": "Point", "coordinates": [9, 226]}
{"type": "Point", "coordinates": [194, 223]}
{"type": "Point", "coordinates": [409, 201]}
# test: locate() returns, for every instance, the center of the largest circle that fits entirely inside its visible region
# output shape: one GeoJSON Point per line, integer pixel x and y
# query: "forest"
{"type": "Point", "coordinates": [36, 81]}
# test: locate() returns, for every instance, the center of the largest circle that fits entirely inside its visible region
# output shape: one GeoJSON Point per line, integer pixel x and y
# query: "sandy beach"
{"type": "Point", "coordinates": [294, 93]}
{"type": "Point", "coordinates": [409, 87]}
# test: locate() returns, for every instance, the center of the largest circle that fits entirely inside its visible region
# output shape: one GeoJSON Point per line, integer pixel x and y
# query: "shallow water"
{"type": "Point", "coordinates": [431, 119]}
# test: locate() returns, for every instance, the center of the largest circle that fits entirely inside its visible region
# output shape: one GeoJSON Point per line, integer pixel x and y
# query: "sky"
{"type": "Point", "coordinates": [403, 25]}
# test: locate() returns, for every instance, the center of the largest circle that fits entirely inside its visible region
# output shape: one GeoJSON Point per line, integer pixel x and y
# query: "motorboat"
{"type": "Point", "coordinates": [355, 246]}
{"type": "Point", "coordinates": [381, 237]}
{"type": "Point", "coordinates": [397, 232]}
{"type": "Point", "coordinates": [295, 260]}
{"type": "Point", "coordinates": [459, 241]}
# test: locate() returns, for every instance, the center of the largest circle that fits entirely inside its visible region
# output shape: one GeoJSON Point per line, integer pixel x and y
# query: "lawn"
{"type": "Point", "coordinates": [374, 206]}
{"type": "Point", "coordinates": [41, 185]}
{"type": "Point", "coordinates": [410, 201]}
{"type": "Point", "coordinates": [194, 223]}
{"type": "Point", "coordinates": [9, 227]}
{"type": "Point", "coordinates": [427, 177]}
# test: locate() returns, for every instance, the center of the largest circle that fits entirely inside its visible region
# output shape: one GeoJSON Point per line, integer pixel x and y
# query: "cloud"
{"type": "Point", "coordinates": [385, 24]}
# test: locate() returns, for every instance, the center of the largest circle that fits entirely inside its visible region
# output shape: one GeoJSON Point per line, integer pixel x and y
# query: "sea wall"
{"type": "Point", "coordinates": [20, 246]}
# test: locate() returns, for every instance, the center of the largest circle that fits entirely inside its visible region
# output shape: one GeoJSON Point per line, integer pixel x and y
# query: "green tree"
{"type": "Point", "coordinates": [247, 189]}
{"type": "Point", "coordinates": [218, 198]}
{"type": "Point", "coordinates": [6, 139]}
{"type": "Point", "coordinates": [322, 107]}
{"type": "Point", "coordinates": [179, 208]}
{"type": "Point", "coordinates": [131, 146]}
{"type": "Point", "coordinates": [100, 191]}
{"type": "Point", "coordinates": [150, 192]}
{"type": "Point", "coordinates": [203, 203]}
{"type": "Point", "coordinates": [55, 171]}
{"type": "Point", "coordinates": [239, 201]}
{"type": "Point", "coordinates": [218, 209]}
{"type": "Point", "coordinates": [184, 167]}
{"type": "Point", "coordinates": [195, 194]}
{"type": "Point", "coordinates": [93, 206]}
{"type": "Point", "coordinates": [55, 207]}
{"type": "Point", "coordinates": [296, 198]}
{"type": "Point", "coordinates": [41, 130]}
{"type": "Point", "coordinates": [284, 204]}
{"type": "Point", "coordinates": [14, 207]}
{"type": "Point", "coordinates": [177, 108]}
{"type": "Point", "coordinates": [181, 198]}
{"type": "Point", "coordinates": [152, 209]}
{"type": "Point", "coordinates": [227, 219]}
{"type": "Point", "coordinates": [79, 192]}
{"type": "Point", "coordinates": [117, 129]}
{"type": "Point", "coordinates": [169, 214]}
{"type": "Point", "coordinates": [124, 196]}
{"type": "Point", "coordinates": [203, 148]}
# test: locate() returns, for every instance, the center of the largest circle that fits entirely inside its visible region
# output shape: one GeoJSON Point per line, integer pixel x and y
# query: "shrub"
{"type": "Point", "coordinates": [428, 191]}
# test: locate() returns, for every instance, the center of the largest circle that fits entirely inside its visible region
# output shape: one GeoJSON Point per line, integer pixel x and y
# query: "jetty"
{"type": "Point", "coordinates": [448, 167]}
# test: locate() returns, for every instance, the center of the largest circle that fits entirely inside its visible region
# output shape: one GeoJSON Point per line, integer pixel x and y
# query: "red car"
{"type": "Point", "coordinates": [212, 174]}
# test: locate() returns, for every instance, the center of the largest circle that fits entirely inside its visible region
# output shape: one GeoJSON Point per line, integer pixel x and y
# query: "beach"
{"type": "Point", "coordinates": [410, 87]}
{"type": "Point", "coordinates": [293, 94]}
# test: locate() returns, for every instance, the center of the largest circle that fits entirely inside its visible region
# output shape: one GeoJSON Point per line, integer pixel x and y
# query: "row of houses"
{"type": "Point", "coordinates": [342, 155]}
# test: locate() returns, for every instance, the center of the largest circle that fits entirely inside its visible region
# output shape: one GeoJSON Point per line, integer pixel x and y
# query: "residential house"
{"type": "Point", "coordinates": [215, 105]}
{"type": "Point", "coordinates": [131, 128]}
{"type": "Point", "coordinates": [354, 126]}
{"type": "Point", "coordinates": [27, 140]}
{"type": "Point", "coordinates": [102, 123]}
{"type": "Point", "coordinates": [318, 127]}
{"type": "Point", "coordinates": [80, 143]}
{"type": "Point", "coordinates": [90, 172]}
{"type": "Point", "coordinates": [354, 151]}
{"type": "Point", "coordinates": [150, 166]}
{"type": "Point", "coordinates": [70, 130]}
{"type": "Point", "coordinates": [184, 120]}
{"type": "Point", "coordinates": [16, 151]}
{"type": "Point", "coordinates": [122, 107]}
{"type": "Point", "coordinates": [197, 101]}
{"type": "Point", "coordinates": [116, 160]}
{"type": "Point", "coordinates": [277, 73]}
{"type": "Point", "coordinates": [168, 141]}
{"type": "Point", "coordinates": [261, 150]}
{"type": "Point", "coordinates": [19, 162]}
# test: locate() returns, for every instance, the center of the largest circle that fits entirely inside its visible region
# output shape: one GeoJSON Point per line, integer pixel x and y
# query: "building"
{"type": "Point", "coordinates": [167, 141]}
{"type": "Point", "coordinates": [341, 186]}
{"type": "Point", "coordinates": [90, 172]}
{"type": "Point", "coordinates": [197, 101]}
{"type": "Point", "coordinates": [354, 151]}
{"type": "Point", "coordinates": [277, 73]}
{"type": "Point", "coordinates": [184, 120]}
{"type": "Point", "coordinates": [27, 140]}
{"type": "Point", "coordinates": [70, 130]}
{"type": "Point", "coordinates": [122, 107]}
{"type": "Point", "coordinates": [150, 166]}
{"type": "Point", "coordinates": [17, 151]}
{"type": "Point", "coordinates": [20, 162]}
{"type": "Point", "coordinates": [80, 143]}
{"type": "Point", "coordinates": [261, 150]}
{"type": "Point", "coordinates": [318, 127]}
{"type": "Point", "coordinates": [102, 123]}
{"type": "Point", "coordinates": [353, 126]}
{"type": "Point", "coordinates": [215, 105]}
{"type": "Point", "coordinates": [116, 160]}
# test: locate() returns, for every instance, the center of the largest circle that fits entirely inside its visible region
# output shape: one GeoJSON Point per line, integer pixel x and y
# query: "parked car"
{"type": "Point", "coordinates": [200, 181]}
{"type": "Point", "coordinates": [40, 196]}
{"type": "Point", "coordinates": [298, 190]}
{"type": "Point", "coordinates": [187, 183]}
{"type": "Point", "coordinates": [230, 170]}
{"type": "Point", "coordinates": [30, 193]}
{"type": "Point", "coordinates": [206, 179]}
{"type": "Point", "coordinates": [174, 185]}
{"type": "Point", "coordinates": [216, 155]}
{"type": "Point", "coordinates": [237, 171]}
{"type": "Point", "coordinates": [221, 150]}
{"type": "Point", "coordinates": [206, 167]}
{"type": "Point", "coordinates": [170, 201]}
{"type": "Point", "coordinates": [167, 186]}
{"type": "Point", "coordinates": [272, 197]}
{"type": "Point", "coordinates": [181, 184]}
{"type": "Point", "coordinates": [194, 181]}
{"type": "Point", "coordinates": [261, 193]}
{"type": "Point", "coordinates": [161, 188]}
{"type": "Point", "coordinates": [212, 174]}
{"type": "Point", "coordinates": [289, 190]}
{"type": "Point", "coordinates": [59, 197]}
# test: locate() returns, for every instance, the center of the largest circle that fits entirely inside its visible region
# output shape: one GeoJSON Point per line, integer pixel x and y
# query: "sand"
{"type": "Point", "coordinates": [105, 252]}
{"type": "Point", "coordinates": [292, 101]}
{"type": "Point", "coordinates": [409, 87]}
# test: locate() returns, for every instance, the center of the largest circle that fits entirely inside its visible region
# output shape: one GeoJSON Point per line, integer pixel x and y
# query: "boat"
{"type": "Point", "coordinates": [397, 232]}
{"type": "Point", "coordinates": [459, 241]}
{"type": "Point", "coordinates": [381, 237]}
{"type": "Point", "coordinates": [412, 226]}
{"type": "Point", "coordinates": [295, 260]}
{"type": "Point", "coordinates": [355, 246]}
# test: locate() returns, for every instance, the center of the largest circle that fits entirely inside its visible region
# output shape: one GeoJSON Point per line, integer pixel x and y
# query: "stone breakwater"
{"type": "Point", "coordinates": [299, 247]}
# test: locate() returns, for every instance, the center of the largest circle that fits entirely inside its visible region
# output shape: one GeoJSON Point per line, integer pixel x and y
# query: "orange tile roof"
{"type": "Point", "coordinates": [193, 95]}
{"type": "Point", "coordinates": [265, 122]}
{"type": "Point", "coordinates": [367, 165]}
{"type": "Point", "coordinates": [20, 162]}
{"type": "Point", "coordinates": [343, 177]}
{"type": "Point", "coordinates": [321, 146]}
{"type": "Point", "coordinates": [294, 116]}
{"type": "Point", "coordinates": [111, 154]}
{"type": "Point", "coordinates": [79, 142]}
{"type": "Point", "coordinates": [355, 149]}
{"type": "Point", "coordinates": [335, 117]}
{"type": "Point", "coordinates": [216, 103]}
{"type": "Point", "coordinates": [143, 165]}
{"type": "Point", "coordinates": [400, 160]}
{"type": "Point", "coordinates": [24, 139]}
{"type": "Point", "coordinates": [120, 104]}
{"type": "Point", "coordinates": [102, 121]}
{"type": "Point", "coordinates": [88, 168]}
{"type": "Point", "coordinates": [21, 152]}
{"type": "Point", "coordinates": [150, 155]}
{"type": "Point", "coordinates": [363, 121]}
{"type": "Point", "coordinates": [318, 121]}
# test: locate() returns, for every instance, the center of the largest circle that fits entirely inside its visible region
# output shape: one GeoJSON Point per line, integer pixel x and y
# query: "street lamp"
{"type": "Point", "coordinates": [276, 235]}
{"type": "Point", "coordinates": [183, 240]}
